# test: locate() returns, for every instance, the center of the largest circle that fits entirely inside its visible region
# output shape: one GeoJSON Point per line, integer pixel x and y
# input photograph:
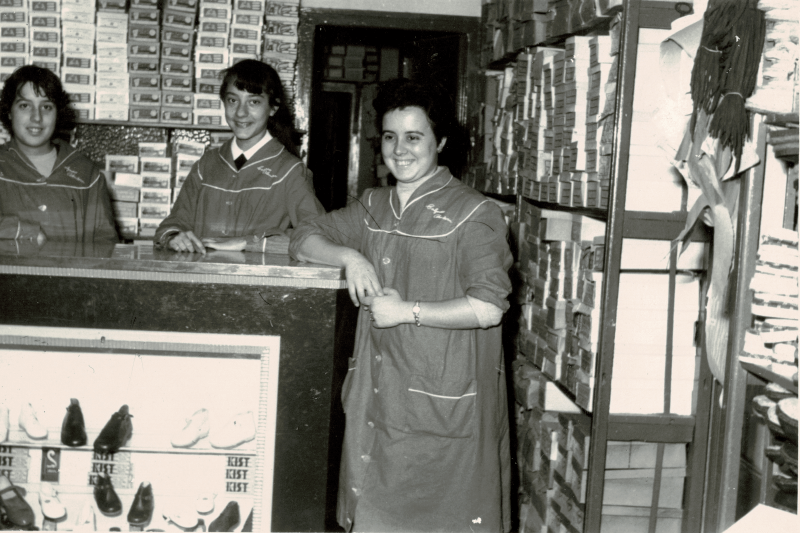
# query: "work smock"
{"type": "Point", "coordinates": [71, 204]}
{"type": "Point", "coordinates": [426, 445]}
{"type": "Point", "coordinates": [270, 193]}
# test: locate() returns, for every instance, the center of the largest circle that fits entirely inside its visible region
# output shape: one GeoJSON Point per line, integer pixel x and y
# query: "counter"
{"type": "Point", "coordinates": [134, 287]}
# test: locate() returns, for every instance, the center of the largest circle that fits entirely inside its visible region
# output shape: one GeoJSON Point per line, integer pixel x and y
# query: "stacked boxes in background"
{"type": "Point", "coordinates": [145, 187]}
{"type": "Point", "coordinates": [247, 15]}
{"type": "Point", "coordinates": [78, 56]}
{"type": "Point", "coordinates": [213, 37]}
{"type": "Point", "coordinates": [15, 36]}
{"type": "Point", "coordinates": [176, 66]}
{"type": "Point", "coordinates": [45, 28]}
{"type": "Point", "coordinates": [280, 24]}
{"type": "Point", "coordinates": [112, 99]}
{"type": "Point", "coordinates": [144, 36]}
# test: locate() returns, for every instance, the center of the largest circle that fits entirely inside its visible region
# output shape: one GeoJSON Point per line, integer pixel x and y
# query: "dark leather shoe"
{"type": "Point", "coordinates": [142, 507]}
{"type": "Point", "coordinates": [106, 497]}
{"type": "Point", "coordinates": [73, 429]}
{"type": "Point", "coordinates": [116, 432]}
{"type": "Point", "coordinates": [13, 505]}
{"type": "Point", "coordinates": [248, 524]}
{"type": "Point", "coordinates": [227, 520]}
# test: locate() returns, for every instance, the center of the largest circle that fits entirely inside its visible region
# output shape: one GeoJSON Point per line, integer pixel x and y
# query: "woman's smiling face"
{"type": "Point", "coordinates": [247, 115]}
{"type": "Point", "coordinates": [33, 119]}
{"type": "Point", "coordinates": [408, 144]}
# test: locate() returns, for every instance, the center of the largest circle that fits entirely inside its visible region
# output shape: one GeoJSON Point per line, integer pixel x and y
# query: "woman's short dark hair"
{"type": "Point", "coordinates": [402, 92]}
{"type": "Point", "coordinates": [45, 83]}
{"type": "Point", "coordinates": [256, 77]}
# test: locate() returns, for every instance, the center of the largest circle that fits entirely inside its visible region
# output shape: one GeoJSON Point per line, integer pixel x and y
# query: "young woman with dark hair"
{"type": "Point", "coordinates": [252, 187]}
{"type": "Point", "coordinates": [48, 190]}
{"type": "Point", "coordinates": [426, 440]}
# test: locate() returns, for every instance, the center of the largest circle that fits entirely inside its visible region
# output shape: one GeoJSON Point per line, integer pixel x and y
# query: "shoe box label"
{"type": "Point", "coordinates": [238, 474]}
{"type": "Point", "coordinates": [51, 464]}
{"type": "Point", "coordinates": [14, 462]}
{"type": "Point", "coordinates": [118, 466]}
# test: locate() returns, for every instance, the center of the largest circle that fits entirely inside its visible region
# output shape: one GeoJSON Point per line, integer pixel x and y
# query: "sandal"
{"type": "Point", "coordinates": [13, 504]}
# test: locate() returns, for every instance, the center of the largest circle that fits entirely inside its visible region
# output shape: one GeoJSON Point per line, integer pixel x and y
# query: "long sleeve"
{"type": "Point", "coordinates": [12, 228]}
{"type": "Point", "coordinates": [344, 226]}
{"type": "Point", "coordinates": [99, 219]}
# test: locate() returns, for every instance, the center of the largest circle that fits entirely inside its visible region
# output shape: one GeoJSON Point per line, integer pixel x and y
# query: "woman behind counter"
{"type": "Point", "coordinates": [254, 186]}
{"type": "Point", "coordinates": [426, 444]}
{"type": "Point", "coordinates": [48, 190]}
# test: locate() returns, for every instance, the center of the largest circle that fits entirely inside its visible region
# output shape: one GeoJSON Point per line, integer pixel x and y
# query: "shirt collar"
{"type": "Point", "coordinates": [236, 151]}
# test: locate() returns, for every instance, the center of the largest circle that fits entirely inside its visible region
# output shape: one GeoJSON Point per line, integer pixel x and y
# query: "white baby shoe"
{"type": "Point", "coordinates": [30, 423]}
{"type": "Point", "coordinates": [239, 430]}
{"type": "Point", "coordinates": [3, 423]}
{"type": "Point", "coordinates": [196, 428]}
{"type": "Point", "coordinates": [52, 508]}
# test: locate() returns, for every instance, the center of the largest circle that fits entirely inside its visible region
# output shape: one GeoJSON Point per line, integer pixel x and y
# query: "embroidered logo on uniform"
{"type": "Point", "coordinates": [437, 213]}
{"type": "Point", "coordinates": [73, 174]}
{"type": "Point", "coordinates": [267, 172]}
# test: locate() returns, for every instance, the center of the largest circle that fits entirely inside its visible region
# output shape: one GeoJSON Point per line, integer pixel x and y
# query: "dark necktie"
{"type": "Point", "coordinates": [240, 161]}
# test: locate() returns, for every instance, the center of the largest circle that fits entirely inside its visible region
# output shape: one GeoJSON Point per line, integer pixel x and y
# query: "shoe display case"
{"type": "Point", "coordinates": [205, 386]}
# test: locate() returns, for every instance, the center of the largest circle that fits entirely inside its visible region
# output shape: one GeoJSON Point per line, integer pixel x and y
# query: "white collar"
{"type": "Point", "coordinates": [236, 151]}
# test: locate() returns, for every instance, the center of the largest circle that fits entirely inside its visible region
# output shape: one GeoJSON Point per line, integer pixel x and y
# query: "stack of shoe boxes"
{"type": "Point", "coordinates": [143, 60]}
{"type": "Point", "coordinates": [43, 53]}
{"type": "Point", "coordinates": [45, 34]}
{"type": "Point", "coordinates": [15, 43]}
{"type": "Point", "coordinates": [184, 155]}
{"type": "Point", "coordinates": [576, 84]}
{"type": "Point", "coordinates": [280, 22]}
{"type": "Point", "coordinates": [78, 54]}
{"type": "Point", "coordinates": [247, 14]}
{"type": "Point", "coordinates": [213, 37]}
{"type": "Point", "coordinates": [600, 119]}
{"type": "Point", "coordinates": [125, 184]}
{"type": "Point", "coordinates": [176, 65]}
{"type": "Point", "coordinates": [156, 195]}
{"type": "Point", "coordinates": [113, 93]}
{"type": "Point", "coordinates": [584, 335]}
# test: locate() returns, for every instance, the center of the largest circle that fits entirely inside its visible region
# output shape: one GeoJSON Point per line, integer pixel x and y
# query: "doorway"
{"type": "Point", "coordinates": [344, 144]}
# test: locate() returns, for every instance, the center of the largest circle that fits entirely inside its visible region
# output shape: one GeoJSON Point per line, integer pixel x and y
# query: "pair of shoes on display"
{"type": "Point", "coordinates": [73, 429]}
{"type": "Point", "coordinates": [29, 422]}
{"type": "Point", "coordinates": [227, 520]}
{"type": "Point", "coordinates": [52, 508]}
{"type": "Point", "coordinates": [116, 432]}
{"type": "Point", "coordinates": [17, 513]}
{"type": "Point", "coordinates": [239, 430]}
{"type": "Point", "coordinates": [109, 504]}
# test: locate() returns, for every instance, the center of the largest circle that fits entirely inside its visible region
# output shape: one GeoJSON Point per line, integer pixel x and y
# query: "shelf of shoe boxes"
{"type": "Point", "coordinates": [770, 352]}
{"type": "Point", "coordinates": [221, 391]}
{"type": "Point", "coordinates": [509, 27]}
{"type": "Point", "coordinates": [142, 66]}
{"type": "Point", "coordinates": [559, 334]}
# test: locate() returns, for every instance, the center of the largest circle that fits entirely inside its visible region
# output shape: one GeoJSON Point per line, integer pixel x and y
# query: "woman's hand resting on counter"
{"type": "Point", "coordinates": [186, 241]}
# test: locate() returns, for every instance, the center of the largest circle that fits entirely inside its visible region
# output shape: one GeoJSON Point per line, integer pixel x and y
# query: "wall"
{"type": "Point", "coordinates": [462, 8]}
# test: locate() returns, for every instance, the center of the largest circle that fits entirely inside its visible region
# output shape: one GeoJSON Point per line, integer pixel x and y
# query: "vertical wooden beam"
{"type": "Point", "coordinates": [601, 401]}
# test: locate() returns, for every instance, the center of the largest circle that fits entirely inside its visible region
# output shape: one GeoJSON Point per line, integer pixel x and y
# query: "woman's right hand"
{"type": "Point", "coordinates": [362, 280]}
{"type": "Point", "coordinates": [186, 241]}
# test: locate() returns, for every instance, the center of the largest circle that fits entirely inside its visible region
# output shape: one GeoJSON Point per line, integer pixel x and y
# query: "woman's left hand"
{"type": "Point", "coordinates": [389, 310]}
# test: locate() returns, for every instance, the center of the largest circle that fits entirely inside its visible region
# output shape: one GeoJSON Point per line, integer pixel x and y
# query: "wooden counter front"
{"type": "Point", "coordinates": [132, 287]}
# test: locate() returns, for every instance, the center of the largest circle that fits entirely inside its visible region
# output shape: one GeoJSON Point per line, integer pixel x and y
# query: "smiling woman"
{"type": "Point", "coordinates": [254, 186]}
{"type": "Point", "coordinates": [48, 190]}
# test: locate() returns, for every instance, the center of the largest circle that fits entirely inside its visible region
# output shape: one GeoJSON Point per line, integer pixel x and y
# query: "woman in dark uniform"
{"type": "Point", "coordinates": [426, 444]}
{"type": "Point", "coordinates": [48, 190]}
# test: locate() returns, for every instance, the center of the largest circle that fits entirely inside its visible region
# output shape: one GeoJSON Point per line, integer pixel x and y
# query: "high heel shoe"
{"type": "Point", "coordinates": [12, 503]}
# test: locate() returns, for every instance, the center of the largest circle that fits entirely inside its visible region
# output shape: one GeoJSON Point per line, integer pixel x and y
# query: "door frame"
{"type": "Point", "coordinates": [468, 27]}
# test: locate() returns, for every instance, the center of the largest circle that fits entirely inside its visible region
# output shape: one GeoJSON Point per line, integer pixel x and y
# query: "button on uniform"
{"type": "Point", "coordinates": [386, 260]}
{"type": "Point", "coordinates": [378, 358]}
{"type": "Point", "coordinates": [376, 391]}
{"type": "Point", "coordinates": [42, 208]}
{"type": "Point", "coordinates": [371, 424]}
{"type": "Point", "coordinates": [365, 458]}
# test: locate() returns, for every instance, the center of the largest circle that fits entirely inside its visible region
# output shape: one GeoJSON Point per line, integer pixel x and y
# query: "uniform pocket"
{"type": "Point", "coordinates": [441, 407]}
{"type": "Point", "coordinates": [348, 381]}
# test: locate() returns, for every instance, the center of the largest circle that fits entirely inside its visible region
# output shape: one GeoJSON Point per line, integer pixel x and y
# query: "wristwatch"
{"type": "Point", "coordinates": [416, 311]}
